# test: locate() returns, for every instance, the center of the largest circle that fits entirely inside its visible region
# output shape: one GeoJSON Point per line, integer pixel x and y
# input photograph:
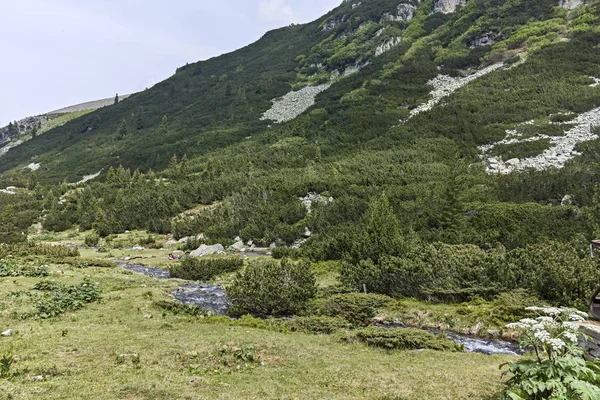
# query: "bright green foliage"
{"type": "Point", "coordinates": [401, 339]}
{"type": "Point", "coordinates": [272, 288]}
{"type": "Point", "coordinates": [12, 269]}
{"type": "Point", "coordinates": [200, 269]}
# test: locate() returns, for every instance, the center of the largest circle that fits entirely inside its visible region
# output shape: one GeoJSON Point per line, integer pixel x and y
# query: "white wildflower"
{"type": "Point", "coordinates": [556, 343]}
{"type": "Point", "coordinates": [570, 325]}
{"type": "Point", "coordinates": [570, 336]}
{"type": "Point", "coordinates": [542, 335]}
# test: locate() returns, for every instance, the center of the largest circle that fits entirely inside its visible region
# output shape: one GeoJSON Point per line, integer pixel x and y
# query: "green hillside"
{"type": "Point", "coordinates": [406, 122]}
{"type": "Point", "coordinates": [441, 155]}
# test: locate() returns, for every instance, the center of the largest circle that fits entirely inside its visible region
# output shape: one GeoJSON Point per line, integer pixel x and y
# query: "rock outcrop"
{"type": "Point", "coordinates": [485, 39]}
{"type": "Point", "coordinates": [448, 6]}
{"type": "Point", "coordinates": [387, 45]}
{"type": "Point", "coordinates": [405, 12]}
{"type": "Point", "coordinates": [571, 4]}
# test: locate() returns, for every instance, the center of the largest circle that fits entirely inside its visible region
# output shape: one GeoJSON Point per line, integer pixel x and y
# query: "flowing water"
{"type": "Point", "coordinates": [214, 299]}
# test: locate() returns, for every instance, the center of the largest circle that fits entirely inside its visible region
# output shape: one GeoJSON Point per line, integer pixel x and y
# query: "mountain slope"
{"type": "Point", "coordinates": [411, 102]}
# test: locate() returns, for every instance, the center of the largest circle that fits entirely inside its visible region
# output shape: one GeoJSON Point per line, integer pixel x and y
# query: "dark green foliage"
{"type": "Point", "coordinates": [92, 240]}
{"type": "Point", "coordinates": [356, 308]}
{"type": "Point", "coordinates": [277, 288]}
{"type": "Point", "coordinates": [61, 299]}
{"type": "Point", "coordinates": [552, 271]}
{"type": "Point", "coordinates": [205, 269]}
{"type": "Point", "coordinates": [317, 324]}
{"type": "Point", "coordinates": [401, 339]}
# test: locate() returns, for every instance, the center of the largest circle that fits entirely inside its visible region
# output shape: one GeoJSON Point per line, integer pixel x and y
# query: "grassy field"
{"type": "Point", "coordinates": [78, 354]}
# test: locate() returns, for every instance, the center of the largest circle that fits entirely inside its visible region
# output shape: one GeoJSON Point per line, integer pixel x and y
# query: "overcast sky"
{"type": "Point", "coordinates": [57, 53]}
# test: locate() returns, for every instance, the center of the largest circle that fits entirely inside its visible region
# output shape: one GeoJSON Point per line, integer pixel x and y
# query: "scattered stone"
{"type": "Point", "coordinates": [147, 316]}
{"type": "Point", "coordinates": [6, 333]}
{"type": "Point", "coordinates": [138, 248]}
{"type": "Point", "coordinates": [172, 242]}
{"type": "Point", "coordinates": [562, 148]}
{"type": "Point", "coordinates": [293, 104]}
{"type": "Point", "coordinates": [37, 378]}
{"type": "Point", "coordinates": [205, 250]}
{"type": "Point", "coordinates": [307, 232]}
{"type": "Point", "coordinates": [444, 86]}
{"type": "Point", "coordinates": [313, 198]}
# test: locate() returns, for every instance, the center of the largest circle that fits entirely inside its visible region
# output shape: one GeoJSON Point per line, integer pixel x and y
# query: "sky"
{"type": "Point", "coordinates": [57, 53]}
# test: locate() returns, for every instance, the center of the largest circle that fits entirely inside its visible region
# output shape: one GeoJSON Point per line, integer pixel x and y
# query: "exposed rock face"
{"type": "Point", "coordinates": [448, 6]}
{"type": "Point", "coordinates": [331, 24]}
{"type": "Point", "coordinates": [571, 4]}
{"type": "Point", "coordinates": [293, 104]}
{"type": "Point", "coordinates": [485, 39]}
{"type": "Point", "coordinates": [387, 45]}
{"type": "Point", "coordinates": [205, 250]}
{"type": "Point", "coordinates": [405, 13]}
{"type": "Point", "coordinates": [562, 148]}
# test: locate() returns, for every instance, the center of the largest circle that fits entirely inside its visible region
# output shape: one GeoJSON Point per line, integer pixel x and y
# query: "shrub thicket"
{"type": "Point", "coordinates": [272, 288]}
{"type": "Point", "coordinates": [204, 269]}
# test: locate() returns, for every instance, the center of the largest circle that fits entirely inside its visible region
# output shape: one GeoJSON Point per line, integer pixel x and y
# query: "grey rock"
{"type": "Point", "coordinates": [238, 246]}
{"type": "Point", "coordinates": [205, 250]}
{"type": "Point", "coordinates": [513, 162]}
{"type": "Point", "coordinates": [485, 39]}
{"type": "Point", "coordinates": [448, 6]}
{"type": "Point", "coordinates": [293, 104]}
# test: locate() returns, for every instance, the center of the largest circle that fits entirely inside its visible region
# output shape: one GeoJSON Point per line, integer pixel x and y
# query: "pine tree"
{"type": "Point", "coordinates": [111, 176]}
{"type": "Point", "coordinates": [9, 229]}
{"type": "Point", "coordinates": [116, 98]}
{"type": "Point", "coordinates": [174, 163]}
{"type": "Point", "coordinates": [383, 231]}
{"type": "Point", "coordinates": [183, 165]}
{"type": "Point", "coordinates": [33, 181]}
{"type": "Point", "coordinates": [122, 131]}
{"type": "Point", "coordinates": [163, 128]}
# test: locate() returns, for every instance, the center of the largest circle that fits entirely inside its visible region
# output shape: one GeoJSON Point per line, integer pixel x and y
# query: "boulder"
{"type": "Point", "coordinates": [513, 162]}
{"type": "Point", "coordinates": [184, 240]}
{"type": "Point", "coordinates": [7, 333]}
{"type": "Point", "coordinates": [238, 246]}
{"type": "Point", "coordinates": [172, 242]}
{"type": "Point", "coordinates": [205, 250]}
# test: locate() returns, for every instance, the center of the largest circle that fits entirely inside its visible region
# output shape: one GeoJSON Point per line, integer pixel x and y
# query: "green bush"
{"type": "Point", "coordinates": [272, 288]}
{"type": "Point", "coordinates": [401, 339]}
{"type": "Point", "coordinates": [92, 240]}
{"type": "Point", "coordinates": [356, 308]}
{"type": "Point", "coordinates": [317, 324]}
{"type": "Point", "coordinates": [205, 269]}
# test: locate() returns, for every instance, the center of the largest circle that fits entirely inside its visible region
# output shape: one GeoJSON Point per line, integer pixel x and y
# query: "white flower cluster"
{"type": "Point", "coordinates": [554, 330]}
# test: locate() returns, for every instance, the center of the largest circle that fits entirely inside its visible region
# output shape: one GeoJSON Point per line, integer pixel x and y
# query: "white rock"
{"type": "Point", "coordinates": [7, 333]}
